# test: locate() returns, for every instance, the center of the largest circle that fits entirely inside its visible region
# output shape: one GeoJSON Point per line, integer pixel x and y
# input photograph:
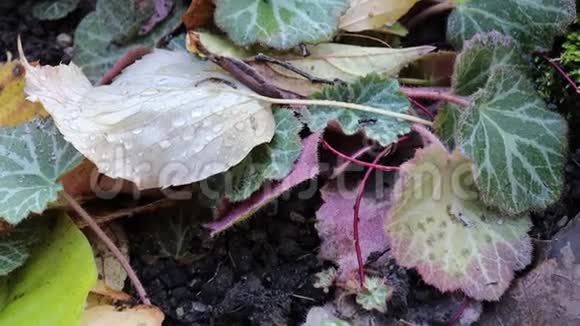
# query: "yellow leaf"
{"type": "Point", "coordinates": [372, 14]}
{"type": "Point", "coordinates": [14, 108]}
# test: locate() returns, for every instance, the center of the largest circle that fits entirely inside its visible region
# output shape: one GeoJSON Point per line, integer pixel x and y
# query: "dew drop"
{"type": "Point", "coordinates": [178, 123]}
{"type": "Point", "coordinates": [149, 92]}
{"type": "Point", "coordinates": [240, 126]}
{"type": "Point", "coordinates": [137, 131]}
{"type": "Point", "coordinates": [165, 144]}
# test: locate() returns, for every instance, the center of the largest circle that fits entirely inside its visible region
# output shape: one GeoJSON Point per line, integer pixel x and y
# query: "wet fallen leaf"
{"type": "Point", "coordinates": [199, 13]}
{"type": "Point", "coordinates": [15, 109]}
{"type": "Point", "coordinates": [150, 126]}
{"type": "Point", "coordinates": [372, 14]}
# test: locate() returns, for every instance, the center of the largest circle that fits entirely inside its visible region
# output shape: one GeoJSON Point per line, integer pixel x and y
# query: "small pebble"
{"type": "Point", "coordinates": [64, 40]}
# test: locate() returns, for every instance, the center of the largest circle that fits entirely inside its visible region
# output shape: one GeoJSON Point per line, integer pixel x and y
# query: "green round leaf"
{"type": "Point", "coordinates": [371, 90]}
{"type": "Point", "coordinates": [54, 9]}
{"type": "Point", "coordinates": [32, 158]}
{"type": "Point", "coordinates": [281, 24]}
{"type": "Point", "coordinates": [517, 146]}
{"type": "Point", "coordinates": [532, 23]}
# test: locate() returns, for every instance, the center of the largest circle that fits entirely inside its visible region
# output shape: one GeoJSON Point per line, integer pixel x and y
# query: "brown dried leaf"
{"type": "Point", "coordinates": [199, 13]}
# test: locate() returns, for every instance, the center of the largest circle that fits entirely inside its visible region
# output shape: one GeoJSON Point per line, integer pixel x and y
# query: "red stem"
{"type": "Point", "coordinates": [359, 162]}
{"type": "Point", "coordinates": [435, 94]}
{"type": "Point", "coordinates": [561, 71]}
{"type": "Point", "coordinates": [422, 108]}
{"type": "Point", "coordinates": [356, 217]}
{"type": "Point", "coordinates": [459, 312]}
{"type": "Point", "coordinates": [110, 245]}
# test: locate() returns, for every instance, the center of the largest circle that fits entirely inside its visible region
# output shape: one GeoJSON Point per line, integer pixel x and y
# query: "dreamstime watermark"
{"type": "Point", "coordinates": [429, 181]}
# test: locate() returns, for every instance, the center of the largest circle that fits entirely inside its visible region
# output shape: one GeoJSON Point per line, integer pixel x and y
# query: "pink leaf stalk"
{"type": "Point", "coordinates": [304, 169]}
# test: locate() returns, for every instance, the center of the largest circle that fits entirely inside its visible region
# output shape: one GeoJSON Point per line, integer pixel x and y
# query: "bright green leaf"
{"type": "Point", "coordinates": [271, 161]}
{"type": "Point", "coordinates": [52, 287]}
{"type": "Point", "coordinates": [281, 24]}
{"type": "Point", "coordinates": [374, 295]}
{"type": "Point", "coordinates": [532, 23]}
{"type": "Point", "coordinates": [53, 9]}
{"type": "Point", "coordinates": [106, 34]}
{"type": "Point", "coordinates": [371, 90]}
{"type": "Point", "coordinates": [439, 226]}
{"type": "Point", "coordinates": [518, 147]}
{"type": "Point", "coordinates": [15, 245]}
{"type": "Point", "coordinates": [446, 122]}
{"type": "Point", "coordinates": [32, 158]}
{"type": "Point", "coordinates": [479, 56]}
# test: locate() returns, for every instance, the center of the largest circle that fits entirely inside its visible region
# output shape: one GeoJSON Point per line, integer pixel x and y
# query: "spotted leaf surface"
{"type": "Point", "coordinates": [479, 56]}
{"type": "Point", "coordinates": [271, 161]}
{"type": "Point", "coordinates": [438, 225]}
{"type": "Point", "coordinates": [32, 158]}
{"type": "Point", "coordinates": [163, 122]}
{"type": "Point", "coordinates": [517, 146]}
{"type": "Point", "coordinates": [532, 23]}
{"type": "Point", "coordinates": [281, 24]}
{"type": "Point", "coordinates": [371, 90]}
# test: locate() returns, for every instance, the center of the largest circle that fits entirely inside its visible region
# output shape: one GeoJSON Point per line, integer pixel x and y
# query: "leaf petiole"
{"type": "Point", "coordinates": [337, 104]}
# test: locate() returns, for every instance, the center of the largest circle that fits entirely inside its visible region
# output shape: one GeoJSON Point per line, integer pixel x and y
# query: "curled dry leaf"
{"type": "Point", "coordinates": [198, 14]}
{"type": "Point", "coordinates": [167, 120]}
{"type": "Point", "coordinates": [372, 14]}
{"type": "Point", "coordinates": [325, 60]}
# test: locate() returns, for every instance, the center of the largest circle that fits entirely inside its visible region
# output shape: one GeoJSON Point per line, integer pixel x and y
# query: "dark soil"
{"type": "Point", "coordinates": [259, 273]}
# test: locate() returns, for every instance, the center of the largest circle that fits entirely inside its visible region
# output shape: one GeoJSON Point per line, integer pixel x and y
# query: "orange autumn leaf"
{"type": "Point", "coordinates": [199, 13]}
{"type": "Point", "coordinates": [14, 108]}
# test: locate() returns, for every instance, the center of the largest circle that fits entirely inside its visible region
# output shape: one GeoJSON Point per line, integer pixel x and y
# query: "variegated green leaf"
{"type": "Point", "coordinates": [32, 158]}
{"type": "Point", "coordinates": [53, 9]}
{"type": "Point", "coordinates": [439, 225]}
{"type": "Point", "coordinates": [446, 122]}
{"type": "Point", "coordinates": [532, 23]}
{"type": "Point", "coordinates": [106, 34]}
{"type": "Point", "coordinates": [15, 245]}
{"type": "Point", "coordinates": [372, 90]}
{"type": "Point", "coordinates": [479, 56]}
{"type": "Point", "coordinates": [271, 161]}
{"type": "Point", "coordinates": [518, 147]}
{"type": "Point", "coordinates": [281, 24]}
